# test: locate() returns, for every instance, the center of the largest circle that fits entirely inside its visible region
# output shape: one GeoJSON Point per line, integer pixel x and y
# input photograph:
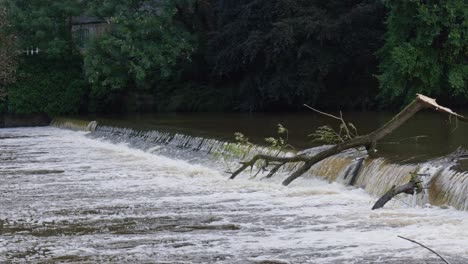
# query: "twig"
{"type": "Point", "coordinates": [431, 250]}
{"type": "Point", "coordinates": [323, 113]}
{"type": "Point", "coordinates": [416, 138]}
{"type": "Point", "coordinates": [345, 126]}
{"type": "Point", "coordinates": [456, 123]}
{"type": "Point", "coordinates": [401, 201]}
{"type": "Point", "coordinates": [341, 119]}
{"type": "Point", "coordinates": [414, 157]}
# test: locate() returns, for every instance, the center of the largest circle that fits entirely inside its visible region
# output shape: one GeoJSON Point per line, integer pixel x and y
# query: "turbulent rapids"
{"type": "Point", "coordinates": [120, 195]}
{"type": "Point", "coordinates": [448, 187]}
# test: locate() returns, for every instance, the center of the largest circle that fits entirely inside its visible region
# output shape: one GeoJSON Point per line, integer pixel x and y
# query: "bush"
{"type": "Point", "coordinates": [48, 86]}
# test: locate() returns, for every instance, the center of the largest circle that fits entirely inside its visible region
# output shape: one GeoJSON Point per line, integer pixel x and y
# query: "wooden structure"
{"type": "Point", "coordinates": [84, 28]}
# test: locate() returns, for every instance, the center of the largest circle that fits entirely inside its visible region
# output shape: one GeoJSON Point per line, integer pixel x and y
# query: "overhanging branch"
{"type": "Point", "coordinates": [369, 141]}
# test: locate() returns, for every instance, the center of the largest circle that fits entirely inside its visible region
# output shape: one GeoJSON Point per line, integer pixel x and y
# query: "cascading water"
{"type": "Point", "coordinates": [118, 195]}
{"type": "Point", "coordinates": [447, 186]}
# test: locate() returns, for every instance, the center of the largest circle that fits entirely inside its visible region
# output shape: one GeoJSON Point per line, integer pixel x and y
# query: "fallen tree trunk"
{"type": "Point", "coordinates": [369, 141]}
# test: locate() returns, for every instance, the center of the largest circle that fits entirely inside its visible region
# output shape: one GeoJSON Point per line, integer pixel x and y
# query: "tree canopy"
{"type": "Point", "coordinates": [52, 80]}
{"type": "Point", "coordinates": [426, 49]}
{"type": "Point", "coordinates": [8, 61]}
{"type": "Point", "coordinates": [142, 48]}
{"type": "Point", "coordinates": [45, 24]}
{"type": "Point", "coordinates": [246, 55]}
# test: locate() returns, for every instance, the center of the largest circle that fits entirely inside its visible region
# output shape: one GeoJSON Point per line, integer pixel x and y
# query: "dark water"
{"type": "Point", "coordinates": [425, 136]}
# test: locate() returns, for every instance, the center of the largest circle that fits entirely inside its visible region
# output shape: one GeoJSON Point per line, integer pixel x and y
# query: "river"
{"type": "Point", "coordinates": [427, 135]}
{"type": "Point", "coordinates": [69, 196]}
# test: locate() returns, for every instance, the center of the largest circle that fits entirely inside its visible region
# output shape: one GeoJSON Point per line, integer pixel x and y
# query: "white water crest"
{"type": "Point", "coordinates": [67, 197]}
{"type": "Point", "coordinates": [443, 185]}
{"type": "Point", "coordinates": [74, 124]}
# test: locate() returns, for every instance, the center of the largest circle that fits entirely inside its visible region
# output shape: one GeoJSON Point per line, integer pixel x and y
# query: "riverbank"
{"type": "Point", "coordinates": [27, 120]}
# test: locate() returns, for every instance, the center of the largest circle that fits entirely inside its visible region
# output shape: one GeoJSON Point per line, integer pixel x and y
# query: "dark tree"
{"type": "Point", "coordinates": [287, 52]}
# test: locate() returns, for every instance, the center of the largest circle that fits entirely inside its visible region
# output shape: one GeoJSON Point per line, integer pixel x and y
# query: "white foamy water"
{"type": "Point", "coordinates": [68, 198]}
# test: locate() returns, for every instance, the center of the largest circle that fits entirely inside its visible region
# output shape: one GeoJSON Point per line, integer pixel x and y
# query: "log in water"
{"type": "Point", "coordinates": [66, 196]}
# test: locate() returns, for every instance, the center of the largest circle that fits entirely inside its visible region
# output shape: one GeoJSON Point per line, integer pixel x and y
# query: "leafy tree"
{"type": "Point", "coordinates": [140, 51]}
{"type": "Point", "coordinates": [8, 58]}
{"type": "Point", "coordinates": [426, 49]}
{"type": "Point", "coordinates": [51, 81]}
{"type": "Point", "coordinates": [45, 24]}
{"type": "Point", "coordinates": [49, 86]}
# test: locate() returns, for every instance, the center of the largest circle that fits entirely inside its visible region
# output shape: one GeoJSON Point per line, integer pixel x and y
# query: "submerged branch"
{"type": "Point", "coordinates": [274, 170]}
{"type": "Point", "coordinates": [412, 187]}
{"type": "Point", "coordinates": [251, 163]}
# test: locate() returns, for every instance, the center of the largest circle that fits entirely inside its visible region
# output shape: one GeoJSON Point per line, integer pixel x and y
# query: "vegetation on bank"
{"type": "Point", "coordinates": [425, 50]}
{"type": "Point", "coordinates": [216, 55]}
{"type": "Point", "coordinates": [8, 60]}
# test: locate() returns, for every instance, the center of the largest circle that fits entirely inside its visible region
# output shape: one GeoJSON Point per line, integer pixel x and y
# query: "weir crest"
{"type": "Point", "coordinates": [445, 186]}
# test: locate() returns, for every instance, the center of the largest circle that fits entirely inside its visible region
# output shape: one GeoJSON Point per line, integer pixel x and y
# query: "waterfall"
{"type": "Point", "coordinates": [449, 187]}
{"type": "Point", "coordinates": [446, 187]}
{"type": "Point", "coordinates": [178, 145]}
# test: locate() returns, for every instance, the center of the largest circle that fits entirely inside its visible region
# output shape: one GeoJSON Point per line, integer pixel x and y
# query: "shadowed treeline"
{"type": "Point", "coordinates": [248, 55]}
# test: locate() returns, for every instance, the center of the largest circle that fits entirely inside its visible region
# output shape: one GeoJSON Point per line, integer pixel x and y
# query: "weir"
{"type": "Point", "coordinates": [447, 187]}
{"type": "Point", "coordinates": [74, 124]}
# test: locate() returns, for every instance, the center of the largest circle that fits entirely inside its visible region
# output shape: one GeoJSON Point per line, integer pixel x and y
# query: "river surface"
{"type": "Point", "coordinates": [427, 135]}
{"type": "Point", "coordinates": [66, 197]}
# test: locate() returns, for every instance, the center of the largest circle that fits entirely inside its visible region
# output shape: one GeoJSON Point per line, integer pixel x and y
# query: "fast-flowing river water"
{"type": "Point", "coordinates": [426, 135]}
{"type": "Point", "coordinates": [68, 197]}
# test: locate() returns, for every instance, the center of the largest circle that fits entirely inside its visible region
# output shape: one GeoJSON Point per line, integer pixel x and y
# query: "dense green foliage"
{"type": "Point", "coordinates": [426, 49]}
{"type": "Point", "coordinates": [140, 51]}
{"type": "Point", "coordinates": [45, 24]}
{"type": "Point", "coordinates": [245, 55]}
{"type": "Point", "coordinates": [48, 86]}
{"type": "Point", "coordinates": [51, 81]}
{"type": "Point", "coordinates": [8, 58]}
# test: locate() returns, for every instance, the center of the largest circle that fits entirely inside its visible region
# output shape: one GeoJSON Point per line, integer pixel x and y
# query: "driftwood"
{"type": "Point", "coordinates": [354, 171]}
{"type": "Point", "coordinates": [368, 141]}
{"type": "Point", "coordinates": [414, 186]}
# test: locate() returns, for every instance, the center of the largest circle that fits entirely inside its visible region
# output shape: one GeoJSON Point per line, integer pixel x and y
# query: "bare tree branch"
{"type": "Point", "coordinates": [369, 141]}
{"type": "Point", "coordinates": [431, 250]}
{"type": "Point", "coordinates": [323, 113]}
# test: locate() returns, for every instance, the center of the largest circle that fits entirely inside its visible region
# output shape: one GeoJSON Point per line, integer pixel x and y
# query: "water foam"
{"type": "Point", "coordinates": [115, 203]}
{"type": "Point", "coordinates": [445, 186]}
